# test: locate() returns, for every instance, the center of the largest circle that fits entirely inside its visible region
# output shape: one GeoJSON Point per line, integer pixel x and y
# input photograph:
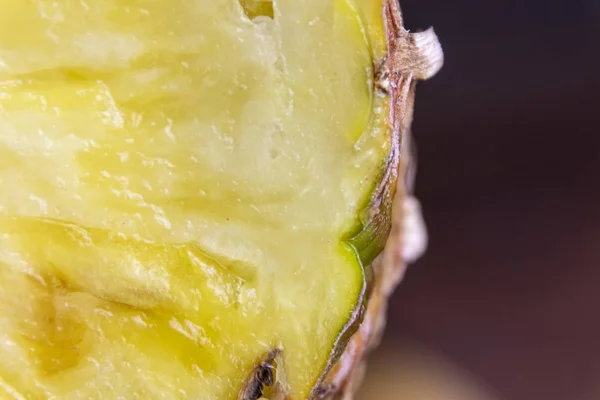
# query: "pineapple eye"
{"type": "Point", "coordinates": [258, 8]}
{"type": "Point", "coordinates": [262, 378]}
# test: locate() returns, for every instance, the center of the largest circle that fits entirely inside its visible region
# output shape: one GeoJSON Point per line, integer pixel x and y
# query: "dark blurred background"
{"type": "Point", "coordinates": [508, 139]}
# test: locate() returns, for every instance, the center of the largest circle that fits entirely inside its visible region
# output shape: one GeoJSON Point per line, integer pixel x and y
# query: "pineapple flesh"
{"type": "Point", "coordinates": [180, 182]}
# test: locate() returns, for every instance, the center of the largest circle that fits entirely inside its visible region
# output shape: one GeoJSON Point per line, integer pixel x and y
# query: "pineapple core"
{"type": "Point", "coordinates": [178, 183]}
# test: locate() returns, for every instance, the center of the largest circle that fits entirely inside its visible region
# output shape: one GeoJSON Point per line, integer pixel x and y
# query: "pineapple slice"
{"type": "Point", "coordinates": [191, 192]}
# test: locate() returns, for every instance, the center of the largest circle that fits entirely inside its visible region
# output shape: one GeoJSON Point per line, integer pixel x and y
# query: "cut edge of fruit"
{"type": "Point", "coordinates": [409, 57]}
{"type": "Point", "coordinates": [370, 239]}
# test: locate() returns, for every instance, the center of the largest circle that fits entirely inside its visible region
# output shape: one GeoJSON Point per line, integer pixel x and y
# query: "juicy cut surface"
{"type": "Point", "coordinates": [177, 184]}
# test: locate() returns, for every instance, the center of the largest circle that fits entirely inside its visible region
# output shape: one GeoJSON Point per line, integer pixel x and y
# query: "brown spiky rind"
{"type": "Point", "coordinates": [410, 57]}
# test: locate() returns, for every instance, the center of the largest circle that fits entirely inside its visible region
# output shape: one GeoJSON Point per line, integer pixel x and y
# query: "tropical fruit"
{"type": "Point", "coordinates": [193, 193]}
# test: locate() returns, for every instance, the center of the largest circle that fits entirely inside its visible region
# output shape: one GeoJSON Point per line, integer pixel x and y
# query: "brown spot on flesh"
{"type": "Point", "coordinates": [267, 375]}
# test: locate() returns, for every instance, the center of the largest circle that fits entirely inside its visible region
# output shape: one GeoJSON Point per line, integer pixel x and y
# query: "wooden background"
{"type": "Point", "coordinates": [509, 176]}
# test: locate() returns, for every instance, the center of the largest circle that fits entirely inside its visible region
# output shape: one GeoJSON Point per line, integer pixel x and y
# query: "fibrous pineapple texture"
{"type": "Point", "coordinates": [187, 194]}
